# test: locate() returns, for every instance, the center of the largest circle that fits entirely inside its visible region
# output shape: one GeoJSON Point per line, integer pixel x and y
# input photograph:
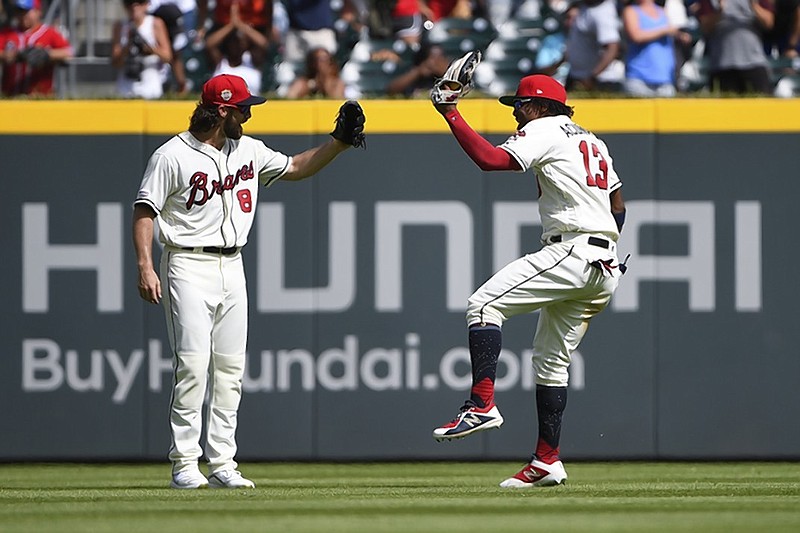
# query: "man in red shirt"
{"type": "Point", "coordinates": [30, 51]}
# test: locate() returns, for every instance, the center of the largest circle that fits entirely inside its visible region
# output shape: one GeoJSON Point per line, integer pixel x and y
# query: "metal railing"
{"type": "Point", "coordinates": [87, 24]}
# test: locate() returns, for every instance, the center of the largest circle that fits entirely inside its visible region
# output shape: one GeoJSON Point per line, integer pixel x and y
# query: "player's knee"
{"type": "Point", "coordinates": [481, 312]}
{"type": "Point", "coordinates": [230, 367]}
{"type": "Point", "coordinates": [550, 371]}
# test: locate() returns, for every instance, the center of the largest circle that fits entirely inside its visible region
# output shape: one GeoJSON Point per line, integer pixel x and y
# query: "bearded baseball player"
{"type": "Point", "coordinates": [570, 280]}
{"type": "Point", "coordinates": [201, 188]}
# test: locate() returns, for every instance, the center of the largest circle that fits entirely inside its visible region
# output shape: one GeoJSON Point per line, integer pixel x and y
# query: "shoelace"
{"type": "Point", "coordinates": [228, 474]}
{"type": "Point", "coordinates": [469, 404]}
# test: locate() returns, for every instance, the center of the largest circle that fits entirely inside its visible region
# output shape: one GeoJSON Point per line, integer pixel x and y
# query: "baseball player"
{"type": "Point", "coordinates": [201, 187]}
{"type": "Point", "coordinates": [569, 280]}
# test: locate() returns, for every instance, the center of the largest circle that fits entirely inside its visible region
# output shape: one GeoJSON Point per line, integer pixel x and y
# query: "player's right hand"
{"type": "Point", "coordinates": [149, 286]}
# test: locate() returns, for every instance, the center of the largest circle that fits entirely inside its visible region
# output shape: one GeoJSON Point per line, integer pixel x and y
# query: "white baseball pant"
{"type": "Point", "coordinates": [205, 299]}
{"type": "Point", "coordinates": [559, 281]}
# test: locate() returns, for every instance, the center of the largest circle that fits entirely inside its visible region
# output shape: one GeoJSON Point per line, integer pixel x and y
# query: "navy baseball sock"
{"type": "Point", "coordinates": [484, 349]}
{"type": "Point", "coordinates": [550, 404]}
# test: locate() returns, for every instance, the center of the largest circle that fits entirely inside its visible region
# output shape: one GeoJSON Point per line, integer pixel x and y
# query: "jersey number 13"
{"type": "Point", "coordinates": [592, 155]}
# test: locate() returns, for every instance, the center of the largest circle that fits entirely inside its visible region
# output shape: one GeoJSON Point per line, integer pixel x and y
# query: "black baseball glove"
{"type": "Point", "coordinates": [35, 57]}
{"type": "Point", "coordinates": [349, 125]}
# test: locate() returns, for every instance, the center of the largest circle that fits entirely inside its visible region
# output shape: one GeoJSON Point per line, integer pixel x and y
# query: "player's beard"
{"type": "Point", "coordinates": [232, 128]}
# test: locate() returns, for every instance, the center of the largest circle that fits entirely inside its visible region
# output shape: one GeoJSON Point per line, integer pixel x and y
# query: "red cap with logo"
{"type": "Point", "coordinates": [537, 86]}
{"type": "Point", "coordinates": [229, 90]}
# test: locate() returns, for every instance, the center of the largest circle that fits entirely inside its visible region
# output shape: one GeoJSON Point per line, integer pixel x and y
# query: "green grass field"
{"type": "Point", "coordinates": [407, 497]}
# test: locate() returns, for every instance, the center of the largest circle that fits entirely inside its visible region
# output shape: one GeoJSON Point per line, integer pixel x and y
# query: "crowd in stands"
{"type": "Point", "coordinates": [355, 48]}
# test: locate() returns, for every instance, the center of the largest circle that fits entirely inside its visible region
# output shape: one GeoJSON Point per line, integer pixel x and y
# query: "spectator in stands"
{"type": "Point", "coordinates": [676, 11]}
{"type": "Point", "coordinates": [30, 51]}
{"type": "Point", "coordinates": [650, 53]}
{"type": "Point", "coordinates": [189, 22]}
{"type": "Point", "coordinates": [732, 30]}
{"type": "Point", "coordinates": [430, 63]}
{"type": "Point", "coordinates": [171, 12]}
{"type": "Point", "coordinates": [407, 18]}
{"type": "Point", "coordinates": [321, 78]}
{"type": "Point", "coordinates": [229, 48]}
{"type": "Point", "coordinates": [784, 39]}
{"type": "Point", "coordinates": [551, 57]}
{"type": "Point", "coordinates": [140, 48]}
{"type": "Point", "coordinates": [310, 27]}
{"type": "Point", "coordinates": [784, 42]}
{"type": "Point", "coordinates": [351, 24]}
{"type": "Point", "coordinates": [3, 14]}
{"type": "Point", "coordinates": [254, 13]}
{"type": "Point", "coordinates": [678, 16]}
{"type": "Point", "coordinates": [439, 9]}
{"type": "Point", "coordinates": [593, 44]}
{"type": "Point", "coordinates": [499, 11]}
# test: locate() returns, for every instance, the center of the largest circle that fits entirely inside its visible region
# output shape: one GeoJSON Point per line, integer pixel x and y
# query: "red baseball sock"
{"type": "Point", "coordinates": [483, 390]}
{"type": "Point", "coordinates": [546, 453]}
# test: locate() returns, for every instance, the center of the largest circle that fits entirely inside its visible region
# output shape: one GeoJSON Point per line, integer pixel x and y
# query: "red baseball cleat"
{"type": "Point", "coordinates": [470, 419]}
{"type": "Point", "coordinates": [537, 474]}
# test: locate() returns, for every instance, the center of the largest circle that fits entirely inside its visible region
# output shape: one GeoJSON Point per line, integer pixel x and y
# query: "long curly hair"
{"type": "Point", "coordinates": [311, 62]}
{"type": "Point", "coordinates": [205, 118]}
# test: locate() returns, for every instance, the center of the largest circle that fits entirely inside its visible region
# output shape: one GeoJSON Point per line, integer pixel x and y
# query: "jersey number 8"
{"type": "Point", "coordinates": [245, 200]}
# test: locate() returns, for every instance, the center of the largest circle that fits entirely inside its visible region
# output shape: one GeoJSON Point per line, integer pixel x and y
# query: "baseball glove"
{"type": "Point", "coordinates": [349, 125]}
{"type": "Point", "coordinates": [35, 57]}
{"type": "Point", "coordinates": [457, 80]}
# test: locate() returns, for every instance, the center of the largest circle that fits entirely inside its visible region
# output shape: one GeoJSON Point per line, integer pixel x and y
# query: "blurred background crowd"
{"type": "Point", "coordinates": [396, 48]}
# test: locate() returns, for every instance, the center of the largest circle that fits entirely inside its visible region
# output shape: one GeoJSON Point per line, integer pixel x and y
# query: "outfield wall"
{"type": "Point", "coordinates": [359, 279]}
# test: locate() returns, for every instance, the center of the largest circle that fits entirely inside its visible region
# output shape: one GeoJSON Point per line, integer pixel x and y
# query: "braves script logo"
{"type": "Point", "coordinates": [201, 193]}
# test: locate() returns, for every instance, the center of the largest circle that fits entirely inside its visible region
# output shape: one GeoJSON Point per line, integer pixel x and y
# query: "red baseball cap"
{"type": "Point", "coordinates": [26, 5]}
{"type": "Point", "coordinates": [537, 86]}
{"type": "Point", "coordinates": [230, 90]}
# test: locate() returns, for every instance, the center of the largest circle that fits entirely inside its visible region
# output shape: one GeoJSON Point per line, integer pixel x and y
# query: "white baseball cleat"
{"type": "Point", "coordinates": [189, 479]}
{"type": "Point", "coordinates": [537, 474]}
{"type": "Point", "coordinates": [229, 479]}
{"type": "Point", "coordinates": [470, 419]}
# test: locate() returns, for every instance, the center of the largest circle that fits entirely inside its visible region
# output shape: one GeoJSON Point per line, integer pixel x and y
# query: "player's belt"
{"type": "Point", "coordinates": [594, 241]}
{"type": "Point", "coordinates": [213, 250]}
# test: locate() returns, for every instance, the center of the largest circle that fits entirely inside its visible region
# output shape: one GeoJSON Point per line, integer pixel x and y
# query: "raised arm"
{"type": "Point", "coordinates": [308, 163]}
{"type": "Point", "coordinates": [348, 131]}
{"type": "Point", "coordinates": [487, 156]}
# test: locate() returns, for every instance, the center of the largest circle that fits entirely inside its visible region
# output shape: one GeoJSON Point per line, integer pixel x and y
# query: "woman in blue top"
{"type": "Point", "coordinates": [650, 57]}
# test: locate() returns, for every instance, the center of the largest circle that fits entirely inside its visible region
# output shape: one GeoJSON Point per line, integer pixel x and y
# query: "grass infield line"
{"type": "Point", "coordinates": [407, 497]}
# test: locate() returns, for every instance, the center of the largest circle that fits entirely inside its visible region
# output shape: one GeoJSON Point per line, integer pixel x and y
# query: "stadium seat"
{"type": "Point", "coordinates": [369, 77]}
{"type": "Point", "coordinates": [512, 48]}
{"type": "Point", "coordinates": [497, 77]}
{"type": "Point", "coordinates": [538, 27]}
{"type": "Point", "coordinates": [786, 76]}
{"type": "Point", "coordinates": [285, 73]}
{"type": "Point", "coordinates": [459, 36]}
{"type": "Point", "coordinates": [381, 49]}
{"type": "Point", "coordinates": [693, 75]}
{"type": "Point", "coordinates": [198, 68]}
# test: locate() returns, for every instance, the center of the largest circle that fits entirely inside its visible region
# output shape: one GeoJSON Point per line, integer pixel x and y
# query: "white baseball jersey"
{"type": "Point", "coordinates": [205, 196]}
{"type": "Point", "coordinates": [575, 175]}
{"type": "Point", "coordinates": [572, 277]}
